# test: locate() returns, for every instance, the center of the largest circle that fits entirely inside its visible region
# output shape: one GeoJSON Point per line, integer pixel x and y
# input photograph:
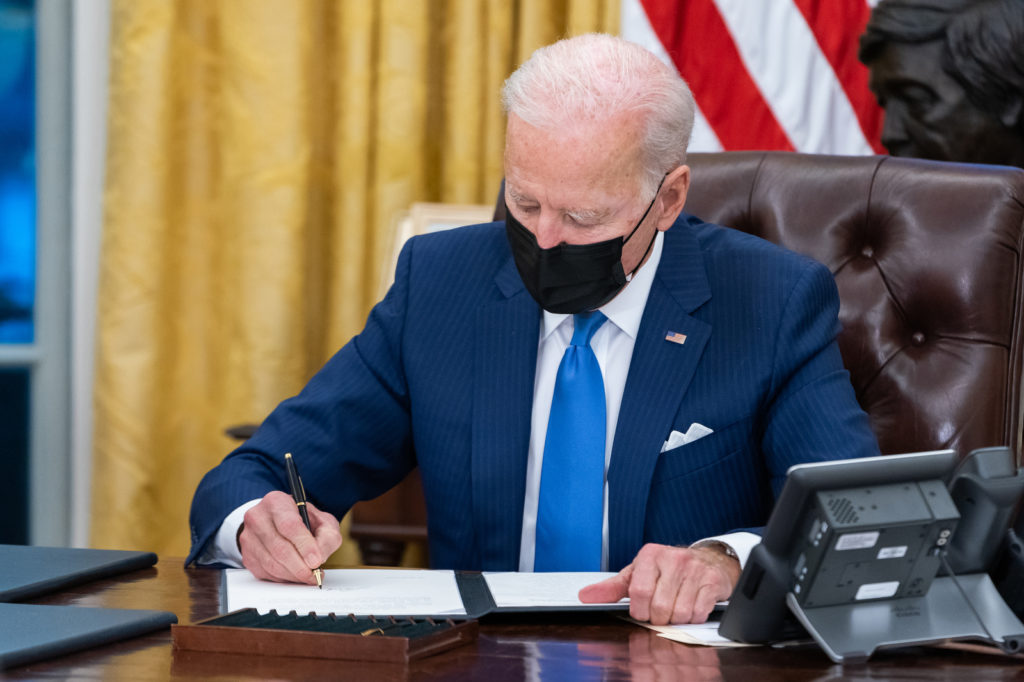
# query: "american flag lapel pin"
{"type": "Point", "coordinates": [676, 337]}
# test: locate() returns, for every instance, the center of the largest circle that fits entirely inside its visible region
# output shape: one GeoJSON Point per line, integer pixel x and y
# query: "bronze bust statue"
{"type": "Point", "coordinates": [950, 76]}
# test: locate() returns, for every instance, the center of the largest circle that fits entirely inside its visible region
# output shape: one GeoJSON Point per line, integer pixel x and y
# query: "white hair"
{"type": "Point", "coordinates": [596, 77]}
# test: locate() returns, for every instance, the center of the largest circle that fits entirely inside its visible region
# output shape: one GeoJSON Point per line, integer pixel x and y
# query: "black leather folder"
{"type": "Point", "coordinates": [33, 632]}
{"type": "Point", "coordinates": [27, 572]}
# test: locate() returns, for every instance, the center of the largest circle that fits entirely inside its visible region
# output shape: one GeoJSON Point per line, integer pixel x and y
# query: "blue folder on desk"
{"type": "Point", "coordinates": [33, 632]}
{"type": "Point", "coordinates": [27, 572]}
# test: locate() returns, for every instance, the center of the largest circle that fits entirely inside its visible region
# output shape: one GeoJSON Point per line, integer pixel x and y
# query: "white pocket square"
{"type": "Point", "coordinates": [676, 439]}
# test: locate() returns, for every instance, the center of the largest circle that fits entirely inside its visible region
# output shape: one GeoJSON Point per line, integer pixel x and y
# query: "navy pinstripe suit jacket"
{"type": "Point", "coordinates": [442, 377]}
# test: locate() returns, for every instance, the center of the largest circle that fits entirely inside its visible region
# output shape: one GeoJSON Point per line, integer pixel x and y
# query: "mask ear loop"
{"type": "Point", "coordinates": [629, 277]}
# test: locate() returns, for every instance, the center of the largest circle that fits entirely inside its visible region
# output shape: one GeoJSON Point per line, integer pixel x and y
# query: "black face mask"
{"type": "Point", "coordinates": [571, 278]}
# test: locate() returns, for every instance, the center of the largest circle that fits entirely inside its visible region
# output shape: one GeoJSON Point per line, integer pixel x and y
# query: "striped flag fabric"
{"type": "Point", "coordinates": [767, 74]}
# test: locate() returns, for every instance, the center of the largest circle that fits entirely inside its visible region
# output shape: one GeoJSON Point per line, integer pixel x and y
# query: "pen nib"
{"type": "Point", "coordinates": [319, 575]}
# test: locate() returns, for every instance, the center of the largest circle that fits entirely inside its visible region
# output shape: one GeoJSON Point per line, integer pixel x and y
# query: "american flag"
{"type": "Point", "coordinates": [676, 337]}
{"type": "Point", "coordinates": [767, 74]}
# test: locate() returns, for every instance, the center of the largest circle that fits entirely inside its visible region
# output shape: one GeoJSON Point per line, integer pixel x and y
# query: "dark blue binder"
{"type": "Point", "coordinates": [33, 632]}
{"type": "Point", "coordinates": [27, 572]}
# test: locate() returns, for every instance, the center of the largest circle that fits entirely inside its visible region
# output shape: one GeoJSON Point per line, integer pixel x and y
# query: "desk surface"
{"type": "Point", "coordinates": [596, 647]}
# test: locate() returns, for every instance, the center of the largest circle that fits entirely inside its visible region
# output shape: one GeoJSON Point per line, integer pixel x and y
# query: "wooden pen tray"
{"type": "Point", "coordinates": [363, 638]}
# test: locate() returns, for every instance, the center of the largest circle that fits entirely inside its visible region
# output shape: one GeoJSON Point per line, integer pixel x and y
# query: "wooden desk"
{"type": "Point", "coordinates": [598, 647]}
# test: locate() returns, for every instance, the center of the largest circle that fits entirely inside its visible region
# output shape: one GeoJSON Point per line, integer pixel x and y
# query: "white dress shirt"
{"type": "Point", "coordinates": [613, 345]}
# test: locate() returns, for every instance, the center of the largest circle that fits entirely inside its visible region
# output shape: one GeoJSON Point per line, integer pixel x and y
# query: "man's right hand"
{"type": "Point", "coordinates": [276, 545]}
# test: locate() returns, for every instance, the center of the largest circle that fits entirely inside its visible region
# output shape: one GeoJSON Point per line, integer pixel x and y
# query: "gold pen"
{"type": "Point", "coordinates": [299, 493]}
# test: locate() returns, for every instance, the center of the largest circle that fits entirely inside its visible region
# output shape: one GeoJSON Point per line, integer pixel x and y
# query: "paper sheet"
{"type": "Point", "coordinates": [703, 634]}
{"type": "Point", "coordinates": [361, 592]}
{"type": "Point", "coordinates": [541, 589]}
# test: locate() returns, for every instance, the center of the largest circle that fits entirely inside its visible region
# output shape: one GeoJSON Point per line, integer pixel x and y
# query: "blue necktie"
{"type": "Point", "coordinates": [570, 511]}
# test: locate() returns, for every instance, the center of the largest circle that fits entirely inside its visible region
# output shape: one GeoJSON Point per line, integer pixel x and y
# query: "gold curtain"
{"type": "Point", "coordinates": [258, 153]}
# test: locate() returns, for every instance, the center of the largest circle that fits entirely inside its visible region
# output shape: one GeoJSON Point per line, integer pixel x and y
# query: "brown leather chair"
{"type": "Point", "coordinates": [928, 260]}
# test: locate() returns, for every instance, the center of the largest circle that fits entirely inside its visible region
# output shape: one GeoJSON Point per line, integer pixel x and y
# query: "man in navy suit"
{"type": "Point", "coordinates": [715, 352]}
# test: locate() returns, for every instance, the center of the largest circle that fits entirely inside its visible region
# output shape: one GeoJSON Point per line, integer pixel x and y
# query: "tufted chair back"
{"type": "Point", "coordinates": [927, 257]}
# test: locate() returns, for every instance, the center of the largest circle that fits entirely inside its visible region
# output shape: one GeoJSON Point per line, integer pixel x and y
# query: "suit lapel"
{"type": "Point", "coordinates": [659, 374]}
{"type": "Point", "coordinates": [504, 365]}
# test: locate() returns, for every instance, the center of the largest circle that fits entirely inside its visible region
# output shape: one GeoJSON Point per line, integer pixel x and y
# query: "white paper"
{"type": "Point", "coordinates": [361, 592]}
{"type": "Point", "coordinates": [703, 634]}
{"type": "Point", "coordinates": [541, 589]}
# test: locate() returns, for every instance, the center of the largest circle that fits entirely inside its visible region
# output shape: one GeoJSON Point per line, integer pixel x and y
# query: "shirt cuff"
{"type": "Point", "coordinates": [223, 549]}
{"type": "Point", "coordinates": [742, 543]}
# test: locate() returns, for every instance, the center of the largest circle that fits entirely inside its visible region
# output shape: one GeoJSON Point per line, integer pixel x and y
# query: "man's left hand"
{"type": "Point", "coordinates": [670, 584]}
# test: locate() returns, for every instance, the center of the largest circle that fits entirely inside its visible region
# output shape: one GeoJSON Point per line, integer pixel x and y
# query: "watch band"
{"type": "Point", "coordinates": [718, 546]}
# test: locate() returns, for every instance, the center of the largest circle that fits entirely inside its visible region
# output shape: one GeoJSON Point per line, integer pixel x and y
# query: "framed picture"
{"type": "Point", "coordinates": [422, 218]}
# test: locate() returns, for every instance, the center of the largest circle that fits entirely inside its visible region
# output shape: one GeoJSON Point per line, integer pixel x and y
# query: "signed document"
{"type": "Point", "coordinates": [363, 592]}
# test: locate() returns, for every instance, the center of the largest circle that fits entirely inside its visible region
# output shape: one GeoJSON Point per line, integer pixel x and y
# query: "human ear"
{"type": "Point", "coordinates": [1010, 112]}
{"type": "Point", "coordinates": [673, 196]}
